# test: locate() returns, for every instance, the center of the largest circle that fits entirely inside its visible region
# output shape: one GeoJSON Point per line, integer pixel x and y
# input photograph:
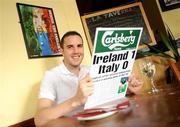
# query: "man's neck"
{"type": "Point", "coordinates": [73, 69]}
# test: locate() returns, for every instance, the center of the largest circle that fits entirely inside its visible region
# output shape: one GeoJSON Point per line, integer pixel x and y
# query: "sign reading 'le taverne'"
{"type": "Point", "coordinates": [112, 61]}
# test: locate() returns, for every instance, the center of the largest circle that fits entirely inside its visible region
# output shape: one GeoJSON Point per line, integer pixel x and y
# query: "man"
{"type": "Point", "coordinates": [65, 88]}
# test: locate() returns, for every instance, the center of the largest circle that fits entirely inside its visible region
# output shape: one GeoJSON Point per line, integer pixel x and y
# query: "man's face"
{"type": "Point", "coordinates": [73, 51]}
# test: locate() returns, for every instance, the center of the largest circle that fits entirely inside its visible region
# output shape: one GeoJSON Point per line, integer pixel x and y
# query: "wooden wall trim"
{"type": "Point", "coordinates": [26, 123]}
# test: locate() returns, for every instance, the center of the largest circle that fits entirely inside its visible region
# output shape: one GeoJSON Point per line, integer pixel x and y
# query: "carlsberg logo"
{"type": "Point", "coordinates": [112, 41]}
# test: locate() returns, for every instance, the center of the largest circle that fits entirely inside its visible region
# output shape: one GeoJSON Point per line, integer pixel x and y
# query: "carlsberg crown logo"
{"type": "Point", "coordinates": [113, 40]}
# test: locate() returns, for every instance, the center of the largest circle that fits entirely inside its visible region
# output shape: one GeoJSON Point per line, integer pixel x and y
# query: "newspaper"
{"type": "Point", "coordinates": [112, 61]}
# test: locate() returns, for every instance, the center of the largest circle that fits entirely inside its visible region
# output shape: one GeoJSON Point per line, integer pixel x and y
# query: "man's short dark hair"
{"type": "Point", "coordinates": [67, 34]}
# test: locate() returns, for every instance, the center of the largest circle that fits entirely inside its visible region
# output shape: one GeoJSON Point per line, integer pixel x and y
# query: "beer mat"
{"type": "Point", "coordinates": [100, 111]}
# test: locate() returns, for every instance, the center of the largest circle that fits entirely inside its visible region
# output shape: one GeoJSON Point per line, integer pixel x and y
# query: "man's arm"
{"type": "Point", "coordinates": [46, 111]}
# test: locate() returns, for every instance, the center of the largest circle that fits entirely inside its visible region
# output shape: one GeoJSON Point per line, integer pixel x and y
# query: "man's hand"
{"type": "Point", "coordinates": [135, 84]}
{"type": "Point", "coordinates": [85, 89]}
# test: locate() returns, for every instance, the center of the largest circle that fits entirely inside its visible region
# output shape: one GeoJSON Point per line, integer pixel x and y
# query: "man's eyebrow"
{"type": "Point", "coordinates": [67, 44]}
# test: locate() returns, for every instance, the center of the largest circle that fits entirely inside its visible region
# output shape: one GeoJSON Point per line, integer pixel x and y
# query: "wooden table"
{"type": "Point", "coordinates": [157, 110]}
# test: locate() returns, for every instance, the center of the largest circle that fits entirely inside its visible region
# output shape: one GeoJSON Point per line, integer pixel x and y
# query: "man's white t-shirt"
{"type": "Point", "coordinates": [59, 84]}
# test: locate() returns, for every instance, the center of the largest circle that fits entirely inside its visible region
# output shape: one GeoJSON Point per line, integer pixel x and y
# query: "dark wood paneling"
{"type": "Point", "coordinates": [26, 123]}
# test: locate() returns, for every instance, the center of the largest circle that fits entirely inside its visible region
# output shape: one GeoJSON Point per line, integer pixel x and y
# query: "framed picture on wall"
{"type": "Point", "coordinates": [169, 4]}
{"type": "Point", "coordinates": [131, 15]}
{"type": "Point", "coordinates": [39, 30]}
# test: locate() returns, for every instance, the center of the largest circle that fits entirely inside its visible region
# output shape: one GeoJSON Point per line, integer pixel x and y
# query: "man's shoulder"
{"type": "Point", "coordinates": [84, 67]}
{"type": "Point", "coordinates": [54, 70]}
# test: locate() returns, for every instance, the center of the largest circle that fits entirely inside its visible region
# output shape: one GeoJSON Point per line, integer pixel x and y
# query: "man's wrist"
{"type": "Point", "coordinates": [75, 102]}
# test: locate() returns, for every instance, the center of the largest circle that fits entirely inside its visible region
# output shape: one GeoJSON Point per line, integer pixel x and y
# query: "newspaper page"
{"type": "Point", "coordinates": [112, 61]}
